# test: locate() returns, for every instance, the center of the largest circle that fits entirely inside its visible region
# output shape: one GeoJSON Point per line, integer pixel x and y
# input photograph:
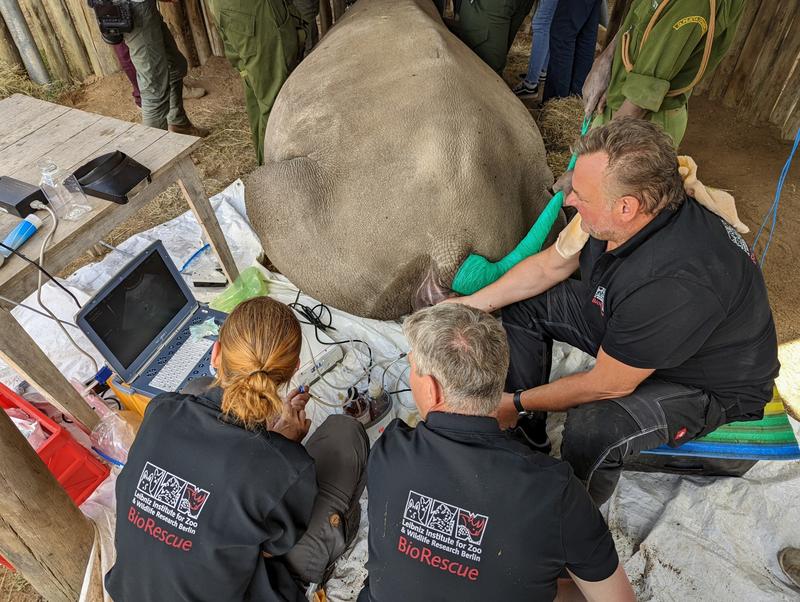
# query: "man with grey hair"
{"type": "Point", "coordinates": [461, 510]}
{"type": "Point", "coordinates": [670, 302]}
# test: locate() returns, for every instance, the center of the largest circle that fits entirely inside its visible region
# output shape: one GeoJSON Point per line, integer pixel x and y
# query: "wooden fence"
{"type": "Point", "coordinates": [68, 39]}
{"type": "Point", "coordinates": [760, 75]}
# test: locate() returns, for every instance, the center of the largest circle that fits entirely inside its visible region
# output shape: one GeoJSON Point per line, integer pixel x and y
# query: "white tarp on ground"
{"type": "Point", "coordinates": [680, 538]}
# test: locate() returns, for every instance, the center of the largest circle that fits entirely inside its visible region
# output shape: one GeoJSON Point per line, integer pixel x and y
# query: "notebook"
{"type": "Point", "coordinates": [139, 322]}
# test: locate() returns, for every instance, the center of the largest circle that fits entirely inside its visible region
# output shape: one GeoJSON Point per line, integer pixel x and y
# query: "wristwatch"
{"type": "Point", "coordinates": [518, 401]}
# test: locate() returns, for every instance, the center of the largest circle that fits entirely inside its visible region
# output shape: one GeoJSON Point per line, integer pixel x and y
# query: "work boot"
{"type": "Point", "coordinates": [193, 92]}
{"type": "Point", "coordinates": [789, 559]}
{"type": "Point", "coordinates": [189, 130]}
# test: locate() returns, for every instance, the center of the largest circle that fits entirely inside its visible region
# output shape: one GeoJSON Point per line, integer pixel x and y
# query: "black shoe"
{"type": "Point", "coordinates": [525, 90]}
{"type": "Point", "coordinates": [532, 428]}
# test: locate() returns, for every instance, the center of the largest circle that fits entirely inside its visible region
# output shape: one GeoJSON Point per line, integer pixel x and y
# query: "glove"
{"type": "Point", "coordinates": [571, 239]}
{"type": "Point", "coordinates": [717, 201]}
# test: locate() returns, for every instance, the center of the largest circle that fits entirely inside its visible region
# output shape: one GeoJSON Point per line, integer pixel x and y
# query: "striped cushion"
{"type": "Point", "coordinates": [770, 438]}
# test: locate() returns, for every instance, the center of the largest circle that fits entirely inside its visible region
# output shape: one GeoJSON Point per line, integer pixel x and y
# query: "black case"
{"type": "Point", "coordinates": [111, 177]}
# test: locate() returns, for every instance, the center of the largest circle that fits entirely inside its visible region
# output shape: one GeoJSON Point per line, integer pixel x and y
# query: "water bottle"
{"type": "Point", "coordinates": [63, 193]}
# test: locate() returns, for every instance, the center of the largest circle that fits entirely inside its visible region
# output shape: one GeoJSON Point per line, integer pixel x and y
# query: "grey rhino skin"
{"type": "Point", "coordinates": [392, 152]}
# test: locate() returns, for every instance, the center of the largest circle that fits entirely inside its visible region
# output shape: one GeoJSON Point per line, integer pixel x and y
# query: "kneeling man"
{"type": "Point", "coordinates": [462, 510]}
{"type": "Point", "coordinates": [670, 302]}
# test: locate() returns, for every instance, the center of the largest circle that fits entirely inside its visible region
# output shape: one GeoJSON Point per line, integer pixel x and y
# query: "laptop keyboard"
{"type": "Point", "coordinates": [181, 364]}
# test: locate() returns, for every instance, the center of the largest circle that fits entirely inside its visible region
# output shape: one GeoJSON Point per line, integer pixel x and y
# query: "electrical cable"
{"type": "Point", "coordinates": [42, 251]}
{"type": "Point", "coordinates": [315, 317]}
{"type": "Point", "coordinates": [36, 311]}
{"type": "Point", "coordinates": [194, 256]}
{"type": "Point", "coordinates": [773, 210]}
{"type": "Point", "coordinates": [46, 273]}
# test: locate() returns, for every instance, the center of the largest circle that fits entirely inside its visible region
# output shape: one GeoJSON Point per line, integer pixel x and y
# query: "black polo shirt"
{"type": "Point", "coordinates": [199, 500]}
{"type": "Point", "coordinates": [460, 510]}
{"type": "Point", "coordinates": [685, 297]}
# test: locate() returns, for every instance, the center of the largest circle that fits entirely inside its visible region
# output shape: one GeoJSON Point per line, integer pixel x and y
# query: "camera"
{"type": "Point", "coordinates": [114, 18]}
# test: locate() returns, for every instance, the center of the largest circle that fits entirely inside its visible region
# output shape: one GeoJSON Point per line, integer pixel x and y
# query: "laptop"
{"type": "Point", "coordinates": [139, 322]}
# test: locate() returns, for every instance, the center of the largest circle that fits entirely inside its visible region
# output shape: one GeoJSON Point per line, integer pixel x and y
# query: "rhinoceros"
{"type": "Point", "coordinates": [391, 154]}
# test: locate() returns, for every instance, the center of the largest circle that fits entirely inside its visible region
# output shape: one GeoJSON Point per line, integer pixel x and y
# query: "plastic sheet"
{"type": "Point", "coordinates": [114, 434]}
{"type": "Point", "coordinates": [250, 283]}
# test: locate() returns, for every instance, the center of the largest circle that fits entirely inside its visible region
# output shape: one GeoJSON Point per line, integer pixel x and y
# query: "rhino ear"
{"type": "Point", "coordinates": [430, 291]}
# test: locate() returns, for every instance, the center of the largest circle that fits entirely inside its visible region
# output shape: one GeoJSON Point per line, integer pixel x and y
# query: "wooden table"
{"type": "Point", "coordinates": [31, 129]}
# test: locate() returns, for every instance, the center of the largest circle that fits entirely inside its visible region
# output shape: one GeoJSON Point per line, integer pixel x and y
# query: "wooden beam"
{"type": "Point", "coordinates": [45, 38]}
{"type": "Point", "coordinates": [757, 93]}
{"type": "Point", "coordinates": [720, 79]}
{"type": "Point", "coordinates": [192, 188]}
{"type": "Point", "coordinates": [172, 12]}
{"type": "Point", "coordinates": [325, 17]}
{"type": "Point", "coordinates": [8, 50]}
{"type": "Point", "coordinates": [788, 102]}
{"type": "Point", "coordinates": [194, 14]}
{"type": "Point", "coordinates": [71, 43]}
{"type": "Point", "coordinates": [751, 51]}
{"type": "Point", "coordinates": [101, 56]}
{"type": "Point", "coordinates": [338, 10]}
{"type": "Point", "coordinates": [42, 533]}
{"type": "Point", "coordinates": [214, 37]}
{"type": "Point", "coordinates": [775, 85]}
{"type": "Point", "coordinates": [30, 362]}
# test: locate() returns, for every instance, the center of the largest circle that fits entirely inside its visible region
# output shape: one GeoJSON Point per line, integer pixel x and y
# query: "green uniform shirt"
{"type": "Point", "coordinates": [670, 58]}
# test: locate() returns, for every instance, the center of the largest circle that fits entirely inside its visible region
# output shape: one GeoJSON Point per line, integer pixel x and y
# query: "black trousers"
{"type": "Point", "coordinates": [600, 436]}
{"type": "Point", "coordinates": [573, 35]}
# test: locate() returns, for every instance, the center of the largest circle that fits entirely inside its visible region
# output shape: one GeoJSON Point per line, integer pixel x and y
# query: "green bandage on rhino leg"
{"type": "Point", "coordinates": [477, 272]}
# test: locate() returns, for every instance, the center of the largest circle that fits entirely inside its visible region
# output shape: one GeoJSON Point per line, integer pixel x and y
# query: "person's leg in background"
{"type": "Point", "coordinates": [146, 46]}
{"type": "Point", "coordinates": [540, 48]}
{"type": "Point", "coordinates": [160, 69]}
{"type": "Point", "coordinates": [600, 436]}
{"type": "Point", "coordinates": [569, 18]}
{"type": "Point", "coordinates": [124, 58]}
{"type": "Point", "coordinates": [584, 48]}
{"type": "Point", "coordinates": [309, 9]}
{"type": "Point", "coordinates": [339, 448]}
{"type": "Point", "coordinates": [261, 42]}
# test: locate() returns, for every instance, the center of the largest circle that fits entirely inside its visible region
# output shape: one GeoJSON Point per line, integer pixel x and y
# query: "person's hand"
{"type": "Point", "coordinates": [507, 414]}
{"type": "Point", "coordinates": [292, 423]}
{"type": "Point", "coordinates": [298, 400]}
{"type": "Point", "coordinates": [595, 87]}
{"type": "Point", "coordinates": [564, 183]}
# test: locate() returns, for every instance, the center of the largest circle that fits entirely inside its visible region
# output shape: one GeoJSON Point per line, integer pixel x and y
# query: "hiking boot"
{"type": "Point", "coordinates": [532, 429]}
{"type": "Point", "coordinates": [189, 130]}
{"type": "Point", "coordinates": [789, 559]}
{"type": "Point", "coordinates": [193, 92]}
{"type": "Point", "coordinates": [525, 90]}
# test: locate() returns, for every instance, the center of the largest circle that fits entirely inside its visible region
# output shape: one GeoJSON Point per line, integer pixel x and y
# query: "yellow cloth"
{"type": "Point", "coordinates": [571, 239]}
{"type": "Point", "coordinates": [717, 201]}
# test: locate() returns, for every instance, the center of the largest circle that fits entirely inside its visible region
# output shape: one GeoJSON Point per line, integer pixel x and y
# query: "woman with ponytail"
{"type": "Point", "coordinates": [219, 500]}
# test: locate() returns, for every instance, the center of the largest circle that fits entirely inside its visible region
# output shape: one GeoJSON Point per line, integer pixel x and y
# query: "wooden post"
{"type": "Point", "coordinates": [8, 50]}
{"type": "Point", "coordinates": [42, 533]}
{"type": "Point", "coordinates": [45, 37]}
{"type": "Point", "coordinates": [30, 362]}
{"type": "Point", "coordinates": [101, 56]}
{"type": "Point", "coordinates": [325, 18]}
{"type": "Point", "coordinates": [194, 15]}
{"type": "Point", "coordinates": [173, 17]}
{"type": "Point", "coordinates": [71, 43]}
{"type": "Point", "coordinates": [338, 10]}
{"type": "Point", "coordinates": [214, 37]}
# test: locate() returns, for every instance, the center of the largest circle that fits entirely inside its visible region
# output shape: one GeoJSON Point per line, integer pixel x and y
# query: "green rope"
{"type": "Point", "coordinates": [477, 272]}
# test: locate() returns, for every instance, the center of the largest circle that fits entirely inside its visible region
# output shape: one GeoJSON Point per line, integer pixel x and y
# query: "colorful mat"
{"type": "Point", "coordinates": [770, 438]}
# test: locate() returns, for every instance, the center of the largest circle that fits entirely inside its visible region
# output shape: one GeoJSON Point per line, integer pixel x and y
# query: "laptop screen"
{"type": "Point", "coordinates": [135, 311]}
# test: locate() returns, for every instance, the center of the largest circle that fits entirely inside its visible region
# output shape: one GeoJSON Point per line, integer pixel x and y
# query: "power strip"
{"type": "Point", "coordinates": [321, 364]}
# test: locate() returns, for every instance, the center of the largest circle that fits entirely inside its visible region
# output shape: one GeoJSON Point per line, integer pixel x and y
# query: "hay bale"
{"type": "Point", "coordinates": [14, 80]}
{"type": "Point", "coordinates": [560, 124]}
